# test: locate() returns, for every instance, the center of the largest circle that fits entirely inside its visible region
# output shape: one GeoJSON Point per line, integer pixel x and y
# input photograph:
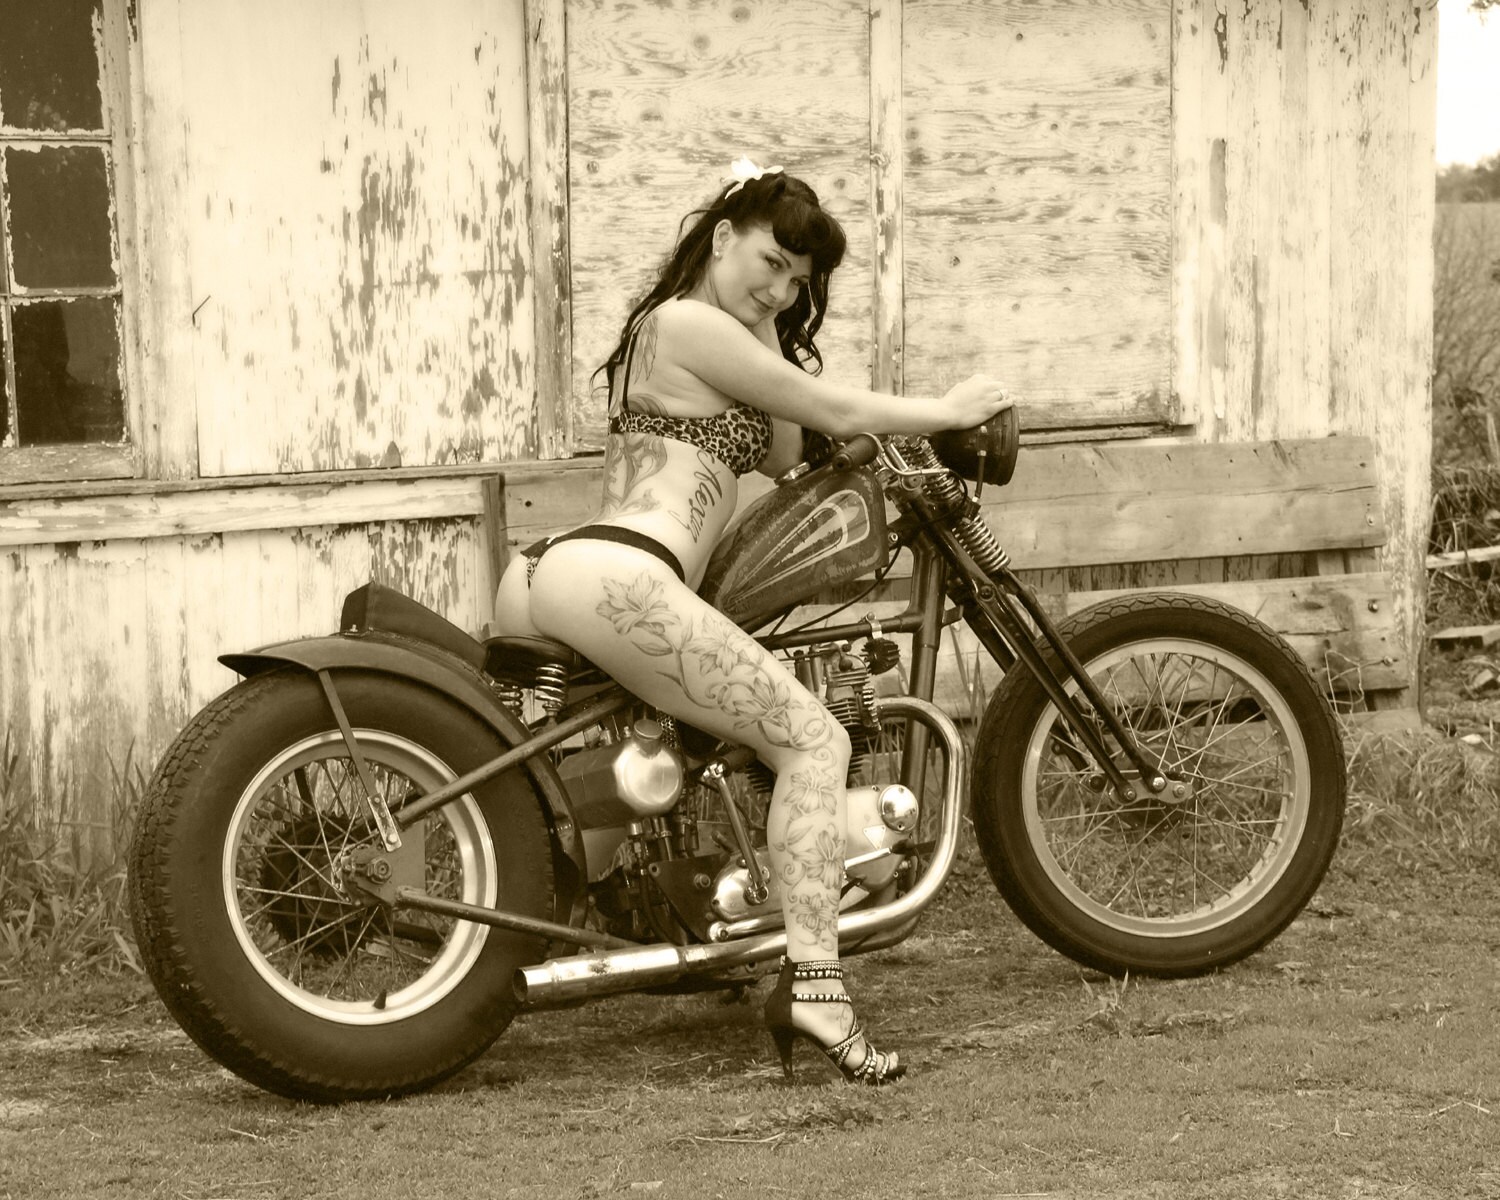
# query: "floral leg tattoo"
{"type": "Point", "coordinates": [719, 669]}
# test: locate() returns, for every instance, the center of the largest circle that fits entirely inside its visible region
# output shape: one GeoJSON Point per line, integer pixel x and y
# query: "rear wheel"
{"type": "Point", "coordinates": [1210, 869]}
{"type": "Point", "coordinates": [250, 928]}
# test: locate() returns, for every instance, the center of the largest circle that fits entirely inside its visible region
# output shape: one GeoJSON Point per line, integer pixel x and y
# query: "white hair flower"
{"type": "Point", "coordinates": [742, 170]}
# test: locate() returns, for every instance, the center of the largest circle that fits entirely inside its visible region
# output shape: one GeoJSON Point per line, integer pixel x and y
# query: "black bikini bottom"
{"type": "Point", "coordinates": [604, 533]}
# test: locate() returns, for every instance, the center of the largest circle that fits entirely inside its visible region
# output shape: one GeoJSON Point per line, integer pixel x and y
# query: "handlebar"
{"type": "Point", "coordinates": [858, 451]}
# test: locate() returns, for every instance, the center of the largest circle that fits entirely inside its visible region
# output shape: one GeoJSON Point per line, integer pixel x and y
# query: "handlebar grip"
{"type": "Point", "coordinates": [858, 451]}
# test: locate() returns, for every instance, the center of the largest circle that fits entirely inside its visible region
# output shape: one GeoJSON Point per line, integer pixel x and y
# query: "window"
{"type": "Point", "coordinates": [61, 377]}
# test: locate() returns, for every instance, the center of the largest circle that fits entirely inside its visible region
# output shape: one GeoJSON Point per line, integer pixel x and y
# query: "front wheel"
{"type": "Point", "coordinates": [256, 941]}
{"type": "Point", "coordinates": [1209, 870]}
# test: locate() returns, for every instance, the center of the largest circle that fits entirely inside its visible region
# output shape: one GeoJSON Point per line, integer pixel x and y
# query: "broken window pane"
{"type": "Point", "coordinates": [67, 355]}
{"type": "Point", "coordinates": [59, 216]}
{"type": "Point", "coordinates": [49, 65]}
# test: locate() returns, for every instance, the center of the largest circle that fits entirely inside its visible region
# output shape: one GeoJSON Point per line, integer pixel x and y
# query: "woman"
{"type": "Point", "coordinates": [709, 381]}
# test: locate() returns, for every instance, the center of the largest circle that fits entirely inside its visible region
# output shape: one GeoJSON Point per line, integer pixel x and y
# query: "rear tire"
{"type": "Point", "coordinates": [291, 979]}
{"type": "Point", "coordinates": [1216, 866]}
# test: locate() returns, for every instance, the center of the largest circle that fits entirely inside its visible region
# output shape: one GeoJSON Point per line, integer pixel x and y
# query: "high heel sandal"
{"type": "Point", "coordinates": [874, 1069]}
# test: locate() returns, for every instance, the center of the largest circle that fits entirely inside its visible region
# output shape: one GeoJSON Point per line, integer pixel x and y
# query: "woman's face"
{"type": "Point", "coordinates": [752, 276]}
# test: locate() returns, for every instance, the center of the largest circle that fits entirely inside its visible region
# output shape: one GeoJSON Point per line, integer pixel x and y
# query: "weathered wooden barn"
{"type": "Point", "coordinates": [295, 295]}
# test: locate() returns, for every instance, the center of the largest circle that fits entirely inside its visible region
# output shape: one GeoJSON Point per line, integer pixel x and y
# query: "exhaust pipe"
{"type": "Point", "coordinates": [583, 976]}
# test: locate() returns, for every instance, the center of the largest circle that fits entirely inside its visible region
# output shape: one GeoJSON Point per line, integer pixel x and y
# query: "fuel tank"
{"type": "Point", "coordinates": [794, 542]}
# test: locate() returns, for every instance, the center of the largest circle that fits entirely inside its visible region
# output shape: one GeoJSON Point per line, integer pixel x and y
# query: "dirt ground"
{"type": "Point", "coordinates": [1354, 1057]}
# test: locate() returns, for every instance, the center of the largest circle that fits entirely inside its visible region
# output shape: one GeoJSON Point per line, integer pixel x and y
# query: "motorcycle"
{"type": "Point", "coordinates": [355, 867]}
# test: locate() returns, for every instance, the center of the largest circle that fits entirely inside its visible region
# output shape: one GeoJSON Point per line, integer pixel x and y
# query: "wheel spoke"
{"type": "Point", "coordinates": [325, 949]}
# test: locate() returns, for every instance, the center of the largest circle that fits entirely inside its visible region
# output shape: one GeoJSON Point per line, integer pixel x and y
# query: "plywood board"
{"type": "Point", "coordinates": [1037, 203]}
{"type": "Point", "coordinates": [349, 248]}
{"type": "Point", "coordinates": [661, 102]}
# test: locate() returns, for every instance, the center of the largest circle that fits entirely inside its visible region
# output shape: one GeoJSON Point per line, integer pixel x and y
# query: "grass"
{"type": "Point", "coordinates": [1353, 1057]}
{"type": "Point", "coordinates": [58, 913]}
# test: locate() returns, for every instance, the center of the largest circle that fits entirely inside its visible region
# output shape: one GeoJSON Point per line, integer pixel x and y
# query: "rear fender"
{"type": "Point", "coordinates": [437, 668]}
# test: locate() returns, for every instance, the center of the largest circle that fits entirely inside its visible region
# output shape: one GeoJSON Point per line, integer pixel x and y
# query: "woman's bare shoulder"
{"type": "Point", "coordinates": [696, 318]}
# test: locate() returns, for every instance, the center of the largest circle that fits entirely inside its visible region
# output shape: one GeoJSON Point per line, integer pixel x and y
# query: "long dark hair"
{"type": "Point", "coordinates": [791, 210]}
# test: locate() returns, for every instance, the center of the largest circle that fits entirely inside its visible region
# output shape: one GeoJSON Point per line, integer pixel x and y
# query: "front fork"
{"type": "Point", "coordinates": [997, 606]}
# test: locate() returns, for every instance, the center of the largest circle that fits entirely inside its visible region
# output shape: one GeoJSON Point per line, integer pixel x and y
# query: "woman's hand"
{"type": "Point", "coordinates": [975, 401]}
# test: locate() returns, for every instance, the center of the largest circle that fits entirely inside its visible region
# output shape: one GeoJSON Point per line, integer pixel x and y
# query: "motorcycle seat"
{"type": "Point", "coordinates": [518, 657]}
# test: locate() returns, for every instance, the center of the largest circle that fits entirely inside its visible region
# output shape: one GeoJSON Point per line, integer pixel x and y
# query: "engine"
{"type": "Point", "coordinates": [668, 859]}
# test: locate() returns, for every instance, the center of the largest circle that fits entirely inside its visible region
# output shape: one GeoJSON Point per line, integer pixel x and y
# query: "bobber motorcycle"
{"type": "Point", "coordinates": [353, 869]}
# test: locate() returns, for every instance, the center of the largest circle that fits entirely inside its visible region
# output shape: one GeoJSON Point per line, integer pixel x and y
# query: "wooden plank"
{"type": "Point", "coordinates": [1068, 506]}
{"type": "Point", "coordinates": [887, 158]}
{"type": "Point", "coordinates": [171, 514]}
{"type": "Point", "coordinates": [36, 464]}
{"type": "Point", "coordinates": [1343, 626]}
{"type": "Point", "coordinates": [1082, 505]}
{"type": "Point", "coordinates": [494, 529]}
{"type": "Point", "coordinates": [1037, 203]}
{"type": "Point", "coordinates": [545, 35]}
{"type": "Point", "coordinates": [383, 173]}
{"type": "Point", "coordinates": [1461, 558]}
{"type": "Point", "coordinates": [1381, 84]}
{"type": "Point", "coordinates": [661, 102]}
{"type": "Point", "coordinates": [1475, 636]}
{"type": "Point", "coordinates": [163, 185]}
{"type": "Point", "coordinates": [1190, 160]}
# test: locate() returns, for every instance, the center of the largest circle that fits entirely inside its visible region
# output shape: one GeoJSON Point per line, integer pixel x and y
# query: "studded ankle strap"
{"type": "Point", "coordinates": [828, 968]}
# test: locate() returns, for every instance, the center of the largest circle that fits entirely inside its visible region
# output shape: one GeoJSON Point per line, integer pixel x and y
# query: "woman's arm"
{"type": "Point", "coordinates": [786, 436]}
{"type": "Point", "coordinates": [711, 344]}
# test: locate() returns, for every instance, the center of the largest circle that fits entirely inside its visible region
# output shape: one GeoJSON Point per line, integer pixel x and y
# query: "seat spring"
{"type": "Point", "coordinates": [510, 694]}
{"type": "Point", "coordinates": [550, 686]}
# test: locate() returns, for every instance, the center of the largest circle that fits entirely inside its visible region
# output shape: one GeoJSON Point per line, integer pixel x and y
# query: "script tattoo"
{"type": "Point", "coordinates": [720, 669]}
{"type": "Point", "coordinates": [707, 494]}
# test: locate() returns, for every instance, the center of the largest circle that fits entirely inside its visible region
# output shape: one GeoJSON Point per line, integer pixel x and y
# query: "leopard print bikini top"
{"type": "Point", "coordinates": [739, 437]}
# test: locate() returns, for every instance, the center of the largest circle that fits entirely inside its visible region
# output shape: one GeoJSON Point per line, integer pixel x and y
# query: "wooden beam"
{"type": "Point", "coordinates": [887, 158]}
{"type": "Point", "coordinates": [547, 104]}
{"type": "Point", "coordinates": [494, 533]}
{"type": "Point", "coordinates": [1088, 505]}
{"type": "Point", "coordinates": [1343, 626]}
{"type": "Point", "coordinates": [554, 492]}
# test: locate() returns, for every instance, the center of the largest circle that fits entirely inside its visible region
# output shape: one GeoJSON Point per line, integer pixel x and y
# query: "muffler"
{"type": "Point", "coordinates": [744, 943]}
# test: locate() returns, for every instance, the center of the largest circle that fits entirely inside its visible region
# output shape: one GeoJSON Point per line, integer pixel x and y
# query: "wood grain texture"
{"type": "Point", "coordinates": [1037, 203]}
{"type": "Point", "coordinates": [887, 190]}
{"type": "Point", "coordinates": [353, 221]}
{"type": "Point", "coordinates": [223, 510]}
{"type": "Point", "coordinates": [545, 34]}
{"type": "Point", "coordinates": [126, 635]}
{"type": "Point", "coordinates": [1071, 506]}
{"type": "Point", "coordinates": [662, 98]}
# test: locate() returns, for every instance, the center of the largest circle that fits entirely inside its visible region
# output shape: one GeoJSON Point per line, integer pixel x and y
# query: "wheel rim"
{"type": "Point", "coordinates": [1181, 866]}
{"type": "Point", "coordinates": [332, 954]}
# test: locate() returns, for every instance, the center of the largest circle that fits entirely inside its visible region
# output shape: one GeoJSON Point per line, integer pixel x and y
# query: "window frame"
{"type": "Point", "coordinates": [120, 105]}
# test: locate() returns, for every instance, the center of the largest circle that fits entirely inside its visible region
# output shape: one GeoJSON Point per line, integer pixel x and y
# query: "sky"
{"type": "Point", "coordinates": [1468, 83]}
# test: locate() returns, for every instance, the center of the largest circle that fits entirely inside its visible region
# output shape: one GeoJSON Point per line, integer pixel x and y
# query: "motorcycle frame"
{"type": "Point", "coordinates": [1009, 622]}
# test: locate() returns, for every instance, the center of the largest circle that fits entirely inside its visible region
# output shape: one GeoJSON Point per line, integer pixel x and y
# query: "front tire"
{"type": "Point", "coordinates": [263, 953]}
{"type": "Point", "coordinates": [1207, 872]}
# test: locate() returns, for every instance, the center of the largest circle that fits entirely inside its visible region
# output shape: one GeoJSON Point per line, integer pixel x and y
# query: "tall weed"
{"type": "Point", "coordinates": [1419, 801]}
{"type": "Point", "coordinates": [62, 909]}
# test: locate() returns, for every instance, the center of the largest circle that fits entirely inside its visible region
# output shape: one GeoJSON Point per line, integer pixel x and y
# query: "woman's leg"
{"type": "Point", "coordinates": [629, 613]}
